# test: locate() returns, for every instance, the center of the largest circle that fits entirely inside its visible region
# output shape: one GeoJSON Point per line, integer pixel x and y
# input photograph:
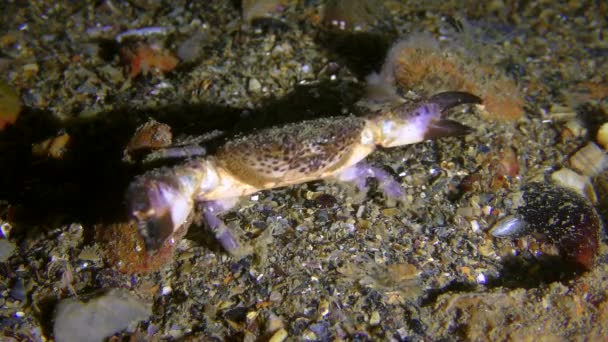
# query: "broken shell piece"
{"type": "Point", "coordinates": [148, 58]}
{"type": "Point", "coordinates": [55, 147]}
{"type": "Point", "coordinates": [510, 226]}
{"type": "Point", "coordinates": [602, 135]}
{"type": "Point", "coordinates": [152, 135]}
{"type": "Point", "coordinates": [575, 127]}
{"type": "Point", "coordinates": [590, 160]}
{"type": "Point", "coordinates": [573, 181]}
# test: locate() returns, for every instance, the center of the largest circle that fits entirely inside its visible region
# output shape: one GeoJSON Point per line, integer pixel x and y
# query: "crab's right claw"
{"type": "Point", "coordinates": [442, 127]}
{"type": "Point", "coordinates": [445, 128]}
{"type": "Point", "coordinates": [412, 123]}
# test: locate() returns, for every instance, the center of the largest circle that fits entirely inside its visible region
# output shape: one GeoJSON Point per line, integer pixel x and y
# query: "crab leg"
{"type": "Point", "coordinates": [187, 151]}
{"type": "Point", "coordinates": [359, 173]}
{"type": "Point", "coordinates": [228, 238]}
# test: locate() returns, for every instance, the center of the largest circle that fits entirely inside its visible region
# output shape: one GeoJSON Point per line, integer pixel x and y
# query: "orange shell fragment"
{"type": "Point", "coordinates": [148, 58]}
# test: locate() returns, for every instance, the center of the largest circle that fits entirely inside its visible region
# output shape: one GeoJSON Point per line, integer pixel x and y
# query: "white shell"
{"type": "Point", "coordinates": [590, 160]}
{"type": "Point", "coordinates": [574, 181]}
{"type": "Point", "coordinates": [509, 227]}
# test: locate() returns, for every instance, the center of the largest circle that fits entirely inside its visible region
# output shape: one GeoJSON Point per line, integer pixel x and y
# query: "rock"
{"type": "Point", "coordinates": [99, 317]}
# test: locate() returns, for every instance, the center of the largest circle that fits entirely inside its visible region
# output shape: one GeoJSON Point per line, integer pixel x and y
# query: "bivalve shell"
{"type": "Point", "coordinates": [565, 219]}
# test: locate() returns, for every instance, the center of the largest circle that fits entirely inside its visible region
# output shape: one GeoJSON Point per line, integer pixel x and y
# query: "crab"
{"type": "Point", "coordinates": [162, 200]}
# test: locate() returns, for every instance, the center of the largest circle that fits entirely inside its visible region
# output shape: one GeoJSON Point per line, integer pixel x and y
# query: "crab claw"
{"type": "Point", "coordinates": [451, 99]}
{"type": "Point", "coordinates": [412, 123]}
{"type": "Point", "coordinates": [161, 205]}
{"type": "Point", "coordinates": [444, 101]}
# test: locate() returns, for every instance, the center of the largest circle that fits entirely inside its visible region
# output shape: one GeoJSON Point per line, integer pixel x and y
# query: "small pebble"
{"type": "Point", "coordinates": [6, 249]}
{"type": "Point", "coordinates": [254, 85]}
{"type": "Point", "coordinates": [389, 212]}
{"type": "Point", "coordinates": [279, 336]}
{"type": "Point", "coordinates": [475, 225]}
{"type": "Point", "coordinates": [374, 319]}
{"type": "Point", "coordinates": [18, 290]}
{"type": "Point", "coordinates": [166, 290]}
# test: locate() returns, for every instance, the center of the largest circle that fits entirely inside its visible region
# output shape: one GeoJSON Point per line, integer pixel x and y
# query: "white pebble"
{"type": "Point", "coordinates": [166, 290]}
{"type": "Point", "coordinates": [475, 225]}
{"type": "Point", "coordinates": [254, 85]}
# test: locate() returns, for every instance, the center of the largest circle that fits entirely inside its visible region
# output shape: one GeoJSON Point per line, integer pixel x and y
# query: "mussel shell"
{"type": "Point", "coordinates": [565, 218]}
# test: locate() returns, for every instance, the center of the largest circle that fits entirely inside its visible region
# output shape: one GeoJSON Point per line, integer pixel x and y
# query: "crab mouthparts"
{"type": "Point", "coordinates": [151, 203]}
{"type": "Point", "coordinates": [155, 230]}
